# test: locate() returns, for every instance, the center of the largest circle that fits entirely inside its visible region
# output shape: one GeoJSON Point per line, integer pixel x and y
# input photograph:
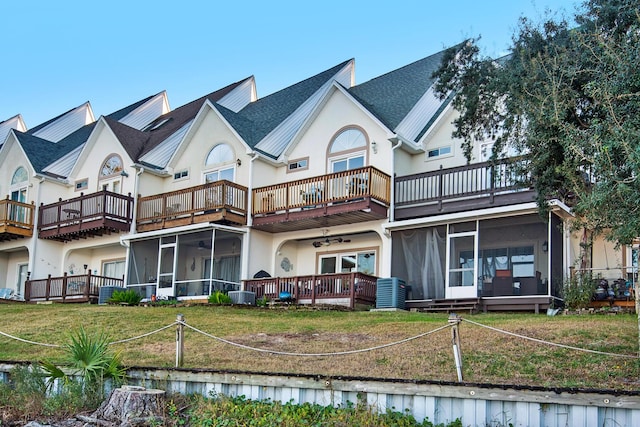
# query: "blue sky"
{"type": "Point", "coordinates": [57, 55]}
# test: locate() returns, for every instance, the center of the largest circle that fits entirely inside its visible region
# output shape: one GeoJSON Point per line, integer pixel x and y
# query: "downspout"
{"type": "Point", "coordinates": [34, 239]}
{"type": "Point", "coordinates": [136, 186]}
{"type": "Point", "coordinates": [392, 192]}
{"type": "Point", "coordinates": [247, 243]}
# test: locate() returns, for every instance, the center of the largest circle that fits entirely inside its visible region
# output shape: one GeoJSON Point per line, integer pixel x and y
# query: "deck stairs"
{"type": "Point", "coordinates": [468, 305]}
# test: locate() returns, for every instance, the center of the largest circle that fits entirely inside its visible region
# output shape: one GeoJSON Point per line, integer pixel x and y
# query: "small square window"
{"type": "Point", "coordinates": [181, 174]}
{"type": "Point", "coordinates": [82, 184]}
{"type": "Point", "coordinates": [440, 151]}
{"type": "Point", "coordinates": [299, 164]}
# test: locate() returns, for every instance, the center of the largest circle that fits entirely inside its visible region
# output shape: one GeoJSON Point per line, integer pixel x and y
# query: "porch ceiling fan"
{"type": "Point", "coordinates": [203, 245]}
{"type": "Point", "coordinates": [328, 241]}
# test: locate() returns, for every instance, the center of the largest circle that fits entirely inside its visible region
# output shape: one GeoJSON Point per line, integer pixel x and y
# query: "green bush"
{"type": "Point", "coordinates": [128, 297]}
{"type": "Point", "coordinates": [219, 298]}
{"type": "Point", "coordinates": [578, 291]}
{"type": "Point", "coordinates": [238, 411]}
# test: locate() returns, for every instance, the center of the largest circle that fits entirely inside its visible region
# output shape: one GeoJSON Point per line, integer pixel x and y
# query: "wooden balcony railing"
{"type": "Point", "coordinates": [16, 219]}
{"type": "Point", "coordinates": [214, 201]}
{"type": "Point", "coordinates": [356, 287]}
{"type": "Point", "coordinates": [89, 214]}
{"type": "Point", "coordinates": [356, 184]}
{"type": "Point", "coordinates": [76, 288]}
{"type": "Point", "coordinates": [465, 182]}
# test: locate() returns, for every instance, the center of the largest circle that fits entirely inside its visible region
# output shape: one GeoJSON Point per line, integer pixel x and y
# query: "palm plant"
{"type": "Point", "coordinates": [88, 358]}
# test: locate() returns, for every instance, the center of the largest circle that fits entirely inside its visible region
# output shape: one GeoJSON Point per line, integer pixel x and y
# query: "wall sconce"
{"type": "Point", "coordinates": [239, 162]}
{"type": "Point", "coordinates": [124, 173]}
{"type": "Point", "coordinates": [85, 268]}
{"type": "Point", "coordinates": [545, 246]}
{"type": "Point", "coordinates": [374, 147]}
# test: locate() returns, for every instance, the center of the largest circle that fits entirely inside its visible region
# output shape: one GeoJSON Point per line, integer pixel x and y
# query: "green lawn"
{"type": "Point", "coordinates": [488, 356]}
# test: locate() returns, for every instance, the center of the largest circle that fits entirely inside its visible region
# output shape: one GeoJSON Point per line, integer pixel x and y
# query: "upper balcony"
{"type": "Point", "coordinates": [338, 198]}
{"type": "Point", "coordinates": [89, 215]}
{"type": "Point", "coordinates": [16, 219]}
{"type": "Point", "coordinates": [464, 188]}
{"type": "Point", "coordinates": [220, 201]}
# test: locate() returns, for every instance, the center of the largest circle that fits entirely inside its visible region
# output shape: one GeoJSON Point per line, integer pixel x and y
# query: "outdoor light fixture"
{"type": "Point", "coordinates": [374, 147]}
{"type": "Point", "coordinates": [124, 173]}
{"type": "Point", "coordinates": [545, 246]}
{"type": "Point", "coordinates": [85, 268]}
{"type": "Point", "coordinates": [239, 162]}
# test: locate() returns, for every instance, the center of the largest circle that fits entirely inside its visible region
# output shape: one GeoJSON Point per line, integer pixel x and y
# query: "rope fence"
{"type": "Point", "coordinates": [453, 323]}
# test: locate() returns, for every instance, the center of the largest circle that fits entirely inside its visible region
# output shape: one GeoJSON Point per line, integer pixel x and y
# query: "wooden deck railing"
{"type": "Point", "coordinates": [193, 201]}
{"type": "Point", "coordinates": [357, 287]}
{"type": "Point", "coordinates": [75, 288]}
{"type": "Point", "coordinates": [367, 182]}
{"type": "Point", "coordinates": [102, 208]}
{"type": "Point", "coordinates": [16, 217]}
{"type": "Point", "coordinates": [465, 181]}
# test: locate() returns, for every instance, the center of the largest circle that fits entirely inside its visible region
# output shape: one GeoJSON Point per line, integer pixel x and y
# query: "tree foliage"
{"type": "Point", "coordinates": [568, 95]}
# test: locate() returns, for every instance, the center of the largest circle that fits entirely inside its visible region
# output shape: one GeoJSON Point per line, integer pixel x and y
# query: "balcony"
{"type": "Point", "coordinates": [347, 197]}
{"type": "Point", "coordinates": [89, 215]}
{"type": "Point", "coordinates": [16, 219]}
{"type": "Point", "coordinates": [220, 201]}
{"type": "Point", "coordinates": [471, 187]}
{"type": "Point", "coordinates": [348, 289]}
{"type": "Point", "coordinates": [77, 288]}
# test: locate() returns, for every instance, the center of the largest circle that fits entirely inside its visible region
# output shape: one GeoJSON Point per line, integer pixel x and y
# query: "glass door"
{"type": "Point", "coordinates": [166, 270]}
{"type": "Point", "coordinates": [462, 266]}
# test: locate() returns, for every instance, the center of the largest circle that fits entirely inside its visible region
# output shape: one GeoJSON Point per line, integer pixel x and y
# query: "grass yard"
{"type": "Point", "coordinates": [488, 356]}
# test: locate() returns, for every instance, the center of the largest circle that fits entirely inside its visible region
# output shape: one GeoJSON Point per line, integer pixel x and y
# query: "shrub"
{"type": "Point", "coordinates": [219, 298]}
{"type": "Point", "coordinates": [578, 291]}
{"type": "Point", "coordinates": [128, 297]}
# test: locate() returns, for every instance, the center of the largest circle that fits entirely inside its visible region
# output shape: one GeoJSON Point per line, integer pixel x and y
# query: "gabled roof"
{"type": "Point", "coordinates": [167, 124]}
{"type": "Point", "coordinates": [50, 153]}
{"type": "Point", "coordinates": [392, 96]}
{"type": "Point", "coordinates": [16, 122]}
{"type": "Point", "coordinates": [255, 121]}
{"type": "Point", "coordinates": [65, 124]}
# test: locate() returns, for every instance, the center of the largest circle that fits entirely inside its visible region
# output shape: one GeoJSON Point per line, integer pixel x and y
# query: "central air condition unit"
{"type": "Point", "coordinates": [106, 292]}
{"type": "Point", "coordinates": [391, 293]}
{"type": "Point", "coordinates": [243, 297]}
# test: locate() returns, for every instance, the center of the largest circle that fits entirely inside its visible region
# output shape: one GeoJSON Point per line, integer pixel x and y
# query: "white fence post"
{"type": "Point", "coordinates": [454, 320]}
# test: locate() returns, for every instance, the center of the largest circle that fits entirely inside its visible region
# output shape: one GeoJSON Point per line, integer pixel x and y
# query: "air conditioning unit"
{"type": "Point", "coordinates": [105, 293]}
{"type": "Point", "coordinates": [391, 292]}
{"type": "Point", "coordinates": [243, 297]}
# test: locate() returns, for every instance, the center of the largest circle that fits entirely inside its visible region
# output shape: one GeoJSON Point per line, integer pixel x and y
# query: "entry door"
{"type": "Point", "coordinates": [166, 269]}
{"type": "Point", "coordinates": [462, 271]}
{"type": "Point", "coordinates": [18, 212]}
{"type": "Point", "coordinates": [22, 277]}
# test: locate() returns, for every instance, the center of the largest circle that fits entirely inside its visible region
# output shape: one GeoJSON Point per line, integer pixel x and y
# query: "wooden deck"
{"type": "Point", "coordinates": [68, 288]}
{"type": "Point", "coordinates": [470, 187]}
{"type": "Point", "coordinates": [535, 304]}
{"type": "Point", "coordinates": [220, 201]}
{"type": "Point", "coordinates": [328, 200]}
{"type": "Point", "coordinates": [347, 289]}
{"type": "Point", "coordinates": [16, 219]}
{"type": "Point", "coordinates": [89, 215]}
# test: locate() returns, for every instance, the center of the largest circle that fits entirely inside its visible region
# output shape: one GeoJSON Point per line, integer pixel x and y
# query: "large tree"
{"type": "Point", "coordinates": [568, 95]}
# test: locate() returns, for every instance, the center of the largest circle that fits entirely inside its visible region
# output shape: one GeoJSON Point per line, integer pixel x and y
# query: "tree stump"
{"type": "Point", "coordinates": [131, 406]}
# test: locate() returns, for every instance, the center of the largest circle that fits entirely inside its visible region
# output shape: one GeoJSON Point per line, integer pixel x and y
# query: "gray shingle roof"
{"type": "Point", "coordinates": [257, 119]}
{"type": "Point", "coordinates": [391, 96]}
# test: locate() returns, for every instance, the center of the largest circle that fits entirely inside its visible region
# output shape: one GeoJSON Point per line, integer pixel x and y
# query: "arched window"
{"type": "Point", "coordinates": [19, 185]}
{"type": "Point", "coordinates": [110, 178]}
{"type": "Point", "coordinates": [220, 164]}
{"type": "Point", "coordinates": [347, 150]}
{"type": "Point", "coordinates": [111, 166]}
{"type": "Point", "coordinates": [19, 176]}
